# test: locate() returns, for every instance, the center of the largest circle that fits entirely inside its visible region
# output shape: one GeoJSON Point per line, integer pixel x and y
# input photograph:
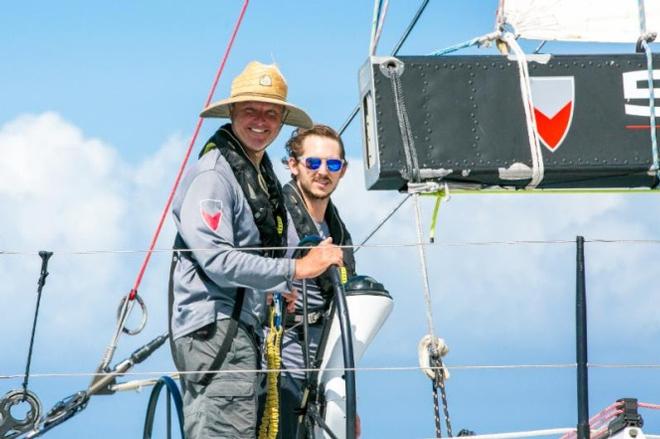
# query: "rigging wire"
{"type": "Point", "coordinates": [395, 52]}
{"type": "Point", "coordinates": [45, 256]}
{"type": "Point", "coordinates": [381, 223]}
{"type": "Point", "coordinates": [129, 301]}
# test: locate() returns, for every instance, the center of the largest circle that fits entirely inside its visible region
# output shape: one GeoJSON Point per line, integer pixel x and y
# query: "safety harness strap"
{"type": "Point", "coordinates": [232, 330]}
{"type": "Point", "coordinates": [260, 186]}
{"type": "Point", "coordinates": [305, 227]}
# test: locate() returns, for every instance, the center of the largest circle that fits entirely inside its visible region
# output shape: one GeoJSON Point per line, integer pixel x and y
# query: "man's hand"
{"type": "Point", "coordinates": [318, 260]}
{"type": "Point", "coordinates": [290, 299]}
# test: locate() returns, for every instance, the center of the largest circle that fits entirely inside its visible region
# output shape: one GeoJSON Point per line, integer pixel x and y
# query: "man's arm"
{"type": "Point", "coordinates": [209, 213]}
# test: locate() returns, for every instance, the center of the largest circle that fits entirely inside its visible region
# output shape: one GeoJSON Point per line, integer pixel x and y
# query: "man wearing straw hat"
{"type": "Point", "coordinates": [231, 223]}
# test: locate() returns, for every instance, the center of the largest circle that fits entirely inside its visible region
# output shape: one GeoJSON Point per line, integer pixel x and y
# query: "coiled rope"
{"type": "Point", "coordinates": [271, 418]}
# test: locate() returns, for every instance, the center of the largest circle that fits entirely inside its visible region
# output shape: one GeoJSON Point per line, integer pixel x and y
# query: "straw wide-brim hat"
{"type": "Point", "coordinates": [260, 83]}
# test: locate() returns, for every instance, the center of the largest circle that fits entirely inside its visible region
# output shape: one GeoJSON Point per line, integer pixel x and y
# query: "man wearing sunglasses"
{"type": "Point", "coordinates": [317, 163]}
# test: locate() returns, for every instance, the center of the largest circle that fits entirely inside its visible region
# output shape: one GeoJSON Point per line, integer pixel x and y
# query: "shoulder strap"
{"type": "Point", "coordinates": [260, 186]}
{"type": "Point", "coordinates": [295, 205]}
{"type": "Point", "coordinates": [305, 226]}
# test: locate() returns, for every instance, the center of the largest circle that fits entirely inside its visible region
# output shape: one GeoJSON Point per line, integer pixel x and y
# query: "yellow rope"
{"type": "Point", "coordinates": [271, 417]}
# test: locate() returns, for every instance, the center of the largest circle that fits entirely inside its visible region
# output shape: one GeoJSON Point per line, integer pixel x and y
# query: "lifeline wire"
{"type": "Point", "coordinates": [126, 308]}
{"type": "Point", "coordinates": [340, 369]}
{"type": "Point", "coordinates": [359, 246]}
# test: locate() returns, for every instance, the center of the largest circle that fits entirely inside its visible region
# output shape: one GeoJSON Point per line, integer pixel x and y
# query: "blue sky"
{"type": "Point", "coordinates": [97, 104]}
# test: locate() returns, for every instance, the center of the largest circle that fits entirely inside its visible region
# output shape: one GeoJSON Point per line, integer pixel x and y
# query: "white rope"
{"type": "Point", "coordinates": [424, 349]}
{"type": "Point", "coordinates": [377, 24]}
{"type": "Point", "coordinates": [423, 266]}
{"type": "Point", "coordinates": [538, 169]}
{"type": "Point", "coordinates": [374, 26]}
{"type": "Point", "coordinates": [644, 38]}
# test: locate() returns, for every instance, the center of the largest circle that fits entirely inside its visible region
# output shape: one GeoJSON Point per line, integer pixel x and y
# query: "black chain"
{"type": "Point", "coordinates": [45, 256]}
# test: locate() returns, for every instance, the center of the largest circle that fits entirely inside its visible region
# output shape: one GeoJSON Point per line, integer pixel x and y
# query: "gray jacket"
{"type": "Point", "coordinates": [214, 221]}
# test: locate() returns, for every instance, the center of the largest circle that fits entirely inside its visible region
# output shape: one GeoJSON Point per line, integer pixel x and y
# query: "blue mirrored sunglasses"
{"type": "Point", "coordinates": [314, 163]}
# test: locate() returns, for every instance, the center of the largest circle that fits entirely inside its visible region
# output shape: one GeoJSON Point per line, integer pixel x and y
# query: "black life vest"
{"type": "Point", "coordinates": [268, 209]}
{"type": "Point", "coordinates": [305, 226]}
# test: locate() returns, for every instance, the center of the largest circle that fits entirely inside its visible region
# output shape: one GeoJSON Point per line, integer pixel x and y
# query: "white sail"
{"type": "Point", "coordinates": [614, 21]}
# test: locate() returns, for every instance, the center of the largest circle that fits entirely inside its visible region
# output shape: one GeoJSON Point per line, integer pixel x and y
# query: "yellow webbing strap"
{"type": "Point", "coordinates": [271, 417]}
{"type": "Point", "coordinates": [434, 219]}
{"type": "Point", "coordinates": [209, 146]}
{"type": "Point", "coordinates": [280, 225]}
{"type": "Point", "coordinates": [343, 275]}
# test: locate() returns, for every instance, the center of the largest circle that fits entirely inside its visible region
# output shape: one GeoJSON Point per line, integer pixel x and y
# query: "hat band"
{"type": "Point", "coordinates": [263, 95]}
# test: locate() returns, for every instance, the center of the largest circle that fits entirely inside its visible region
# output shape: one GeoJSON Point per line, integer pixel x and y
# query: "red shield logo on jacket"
{"type": "Point", "coordinates": [553, 98]}
{"type": "Point", "coordinates": [211, 211]}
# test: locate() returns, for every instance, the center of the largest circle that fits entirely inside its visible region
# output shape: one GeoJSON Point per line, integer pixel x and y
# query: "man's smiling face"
{"type": "Point", "coordinates": [256, 124]}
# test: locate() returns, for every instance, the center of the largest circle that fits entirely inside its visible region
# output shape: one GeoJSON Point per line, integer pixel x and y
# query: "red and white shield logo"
{"type": "Point", "coordinates": [211, 211]}
{"type": "Point", "coordinates": [553, 98]}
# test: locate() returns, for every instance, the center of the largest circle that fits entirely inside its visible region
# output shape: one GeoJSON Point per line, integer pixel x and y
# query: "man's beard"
{"type": "Point", "coordinates": [312, 196]}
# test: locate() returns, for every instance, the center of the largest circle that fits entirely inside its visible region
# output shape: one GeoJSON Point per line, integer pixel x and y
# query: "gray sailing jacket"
{"type": "Point", "coordinates": [214, 221]}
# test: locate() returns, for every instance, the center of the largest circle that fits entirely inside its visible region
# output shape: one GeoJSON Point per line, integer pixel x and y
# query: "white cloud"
{"type": "Point", "coordinates": [60, 188]}
{"type": "Point", "coordinates": [65, 192]}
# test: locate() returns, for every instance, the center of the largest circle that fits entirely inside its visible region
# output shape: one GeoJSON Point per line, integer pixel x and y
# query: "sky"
{"type": "Point", "coordinates": [98, 101]}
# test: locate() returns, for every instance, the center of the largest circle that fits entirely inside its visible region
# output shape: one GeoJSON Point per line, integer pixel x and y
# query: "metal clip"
{"type": "Point", "coordinates": [10, 426]}
{"type": "Point", "coordinates": [143, 308]}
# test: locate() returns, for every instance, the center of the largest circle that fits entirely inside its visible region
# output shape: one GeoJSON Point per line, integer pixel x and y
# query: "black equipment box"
{"type": "Point", "coordinates": [466, 121]}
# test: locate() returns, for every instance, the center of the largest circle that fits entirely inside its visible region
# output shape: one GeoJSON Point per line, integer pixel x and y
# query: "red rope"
{"type": "Point", "coordinates": [138, 280]}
